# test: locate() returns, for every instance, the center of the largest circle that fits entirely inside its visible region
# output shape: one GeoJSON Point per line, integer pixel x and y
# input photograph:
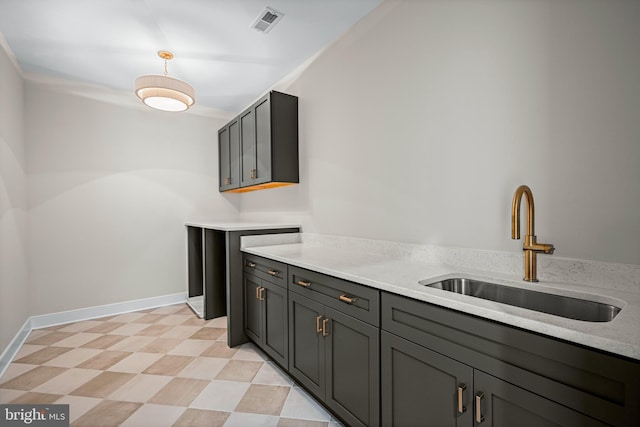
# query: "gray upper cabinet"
{"type": "Point", "coordinates": [229, 152]}
{"type": "Point", "coordinates": [267, 145]}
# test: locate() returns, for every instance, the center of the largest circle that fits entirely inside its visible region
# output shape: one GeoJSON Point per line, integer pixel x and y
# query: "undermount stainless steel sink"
{"type": "Point", "coordinates": [568, 307]}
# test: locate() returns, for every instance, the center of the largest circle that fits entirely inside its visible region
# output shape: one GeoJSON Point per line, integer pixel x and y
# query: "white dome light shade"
{"type": "Point", "coordinates": [165, 93]}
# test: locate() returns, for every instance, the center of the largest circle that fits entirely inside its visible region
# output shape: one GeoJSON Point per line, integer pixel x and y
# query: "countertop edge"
{"type": "Point", "coordinates": [238, 226]}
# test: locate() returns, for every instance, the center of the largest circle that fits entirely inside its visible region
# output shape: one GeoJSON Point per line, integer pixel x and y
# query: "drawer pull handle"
{"type": "Point", "coordinates": [261, 294]}
{"type": "Point", "coordinates": [318, 327]}
{"type": "Point", "coordinates": [251, 264]}
{"type": "Point", "coordinates": [303, 283]}
{"type": "Point", "coordinates": [348, 300]}
{"type": "Point", "coordinates": [325, 331]}
{"type": "Point", "coordinates": [479, 416]}
{"type": "Point", "coordinates": [461, 388]}
{"type": "Point", "coordinates": [273, 272]}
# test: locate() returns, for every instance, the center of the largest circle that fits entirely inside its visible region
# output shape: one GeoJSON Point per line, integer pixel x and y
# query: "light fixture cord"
{"type": "Point", "coordinates": [165, 68]}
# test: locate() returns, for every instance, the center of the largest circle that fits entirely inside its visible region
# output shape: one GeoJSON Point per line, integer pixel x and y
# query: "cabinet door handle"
{"type": "Point", "coordinates": [261, 294]}
{"type": "Point", "coordinates": [303, 283]}
{"type": "Point", "coordinates": [257, 292]}
{"type": "Point", "coordinates": [273, 272]}
{"type": "Point", "coordinates": [318, 327]}
{"type": "Point", "coordinates": [251, 264]}
{"type": "Point", "coordinates": [479, 416]}
{"type": "Point", "coordinates": [325, 330]}
{"type": "Point", "coordinates": [252, 174]}
{"type": "Point", "coordinates": [461, 388]}
{"type": "Point", "coordinates": [348, 300]}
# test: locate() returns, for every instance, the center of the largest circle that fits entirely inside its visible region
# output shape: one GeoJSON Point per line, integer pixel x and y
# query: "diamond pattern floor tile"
{"type": "Point", "coordinates": [157, 367]}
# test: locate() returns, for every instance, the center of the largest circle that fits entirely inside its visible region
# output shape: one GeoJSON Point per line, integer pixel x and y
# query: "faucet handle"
{"type": "Point", "coordinates": [530, 244]}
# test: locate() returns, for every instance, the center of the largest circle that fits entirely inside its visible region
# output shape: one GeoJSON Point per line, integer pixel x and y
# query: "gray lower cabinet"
{"type": "Point", "coordinates": [265, 317]}
{"type": "Point", "coordinates": [376, 358]}
{"type": "Point", "coordinates": [501, 404]}
{"type": "Point", "coordinates": [511, 377]}
{"type": "Point", "coordinates": [422, 387]}
{"type": "Point", "coordinates": [336, 357]}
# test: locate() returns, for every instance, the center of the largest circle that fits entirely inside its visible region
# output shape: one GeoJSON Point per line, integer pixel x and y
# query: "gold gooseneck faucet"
{"type": "Point", "coordinates": [530, 247]}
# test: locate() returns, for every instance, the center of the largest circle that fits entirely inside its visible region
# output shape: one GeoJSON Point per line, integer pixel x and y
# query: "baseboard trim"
{"type": "Point", "coordinates": [53, 319]}
{"type": "Point", "coordinates": [14, 346]}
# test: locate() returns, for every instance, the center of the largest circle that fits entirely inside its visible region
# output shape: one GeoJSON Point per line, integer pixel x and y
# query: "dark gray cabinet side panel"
{"type": "Point", "coordinates": [234, 287]}
{"type": "Point", "coordinates": [224, 157]}
{"type": "Point", "coordinates": [306, 345]}
{"type": "Point", "coordinates": [194, 261]}
{"type": "Point", "coordinates": [252, 309]}
{"type": "Point", "coordinates": [234, 155]}
{"type": "Point", "coordinates": [275, 323]}
{"type": "Point", "coordinates": [284, 134]}
{"type": "Point", "coordinates": [353, 369]}
{"type": "Point", "coordinates": [505, 405]}
{"type": "Point", "coordinates": [215, 304]}
{"type": "Point", "coordinates": [247, 148]}
{"type": "Point", "coordinates": [262, 113]}
{"type": "Point", "coordinates": [420, 386]}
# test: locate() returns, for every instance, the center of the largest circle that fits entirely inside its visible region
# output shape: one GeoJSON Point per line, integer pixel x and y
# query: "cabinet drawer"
{"type": "Point", "coordinates": [350, 298]}
{"type": "Point", "coordinates": [267, 269]}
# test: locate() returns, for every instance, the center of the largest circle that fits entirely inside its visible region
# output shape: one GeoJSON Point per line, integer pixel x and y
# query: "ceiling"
{"type": "Point", "coordinates": [111, 42]}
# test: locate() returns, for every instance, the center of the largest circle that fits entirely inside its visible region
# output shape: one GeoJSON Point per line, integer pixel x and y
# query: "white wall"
{"type": "Point", "coordinates": [420, 122]}
{"type": "Point", "coordinates": [14, 291]}
{"type": "Point", "coordinates": [110, 187]}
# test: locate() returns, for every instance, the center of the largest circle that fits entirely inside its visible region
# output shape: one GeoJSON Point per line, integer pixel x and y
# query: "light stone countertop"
{"type": "Point", "coordinates": [400, 275]}
{"type": "Point", "coordinates": [238, 225]}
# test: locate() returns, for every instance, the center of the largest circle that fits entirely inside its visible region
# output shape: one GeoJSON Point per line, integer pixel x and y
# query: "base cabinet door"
{"type": "Point", "coordinates": [275, 341]}
{"type": "Point", "coordinates": [265, 317]}
{"type": "Point", "coordinates": [252, 308]}
{"type": "Point", "coordinates": [423, 388]}
{"type": "Point", "coordinates": [306, 344]}
{"type": "Point", "coordinates": [337, 358]}
{"type": "Point", "coordinates": [352, 369]}
{"type": "Point", "coordinates": [501, 404]}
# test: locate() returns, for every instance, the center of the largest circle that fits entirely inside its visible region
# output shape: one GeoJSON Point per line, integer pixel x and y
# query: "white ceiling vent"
{"type": "Point", "coordinates": [267, 20]}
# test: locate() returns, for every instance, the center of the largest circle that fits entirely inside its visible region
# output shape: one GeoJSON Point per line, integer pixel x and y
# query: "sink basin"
{"type": "Point", "coordinates": [568, 307]}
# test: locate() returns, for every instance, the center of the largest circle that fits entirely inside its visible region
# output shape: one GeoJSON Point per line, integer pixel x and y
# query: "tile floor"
{"type": "Point", "coordinates": [158, 367]}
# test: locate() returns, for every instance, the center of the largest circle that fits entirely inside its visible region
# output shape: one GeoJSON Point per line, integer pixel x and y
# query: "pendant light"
{"type": "Point", "coordinates": [163, 92]}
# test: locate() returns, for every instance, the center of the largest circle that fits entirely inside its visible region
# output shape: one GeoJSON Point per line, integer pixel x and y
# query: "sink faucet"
{"type": "Point", "coordinates": [530, 246]}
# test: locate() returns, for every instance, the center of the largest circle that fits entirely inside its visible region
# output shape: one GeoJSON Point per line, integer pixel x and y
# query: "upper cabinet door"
{"type": "Point", "coordinates": [262, 113]}
{"type": "Point", "coordinates": [234, 154]}
{"type": "Point", "coordinates": [247, 148]}
{"type": "Point", "coordinates": [224, 158]}
{"type": "Point", "coordinates": [229, 159]}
